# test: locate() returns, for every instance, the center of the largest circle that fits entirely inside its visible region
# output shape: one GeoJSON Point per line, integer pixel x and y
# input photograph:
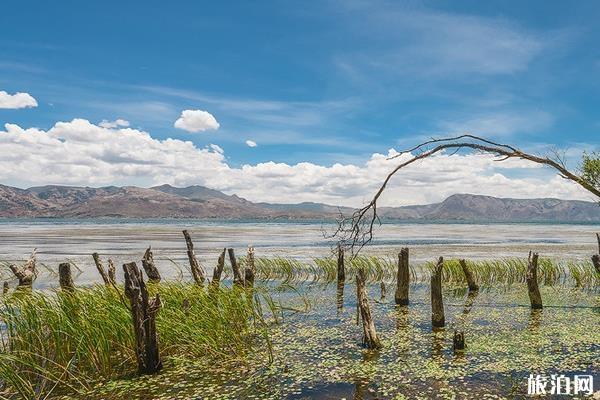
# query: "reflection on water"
{"type": "Point", "coordinates": [60, 240]}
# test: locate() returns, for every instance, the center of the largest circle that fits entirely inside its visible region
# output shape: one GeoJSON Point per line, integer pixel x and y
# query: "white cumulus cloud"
{"type": "Point", "coordinates": [251, 143]}
{"type": "Point", "coordinates": [81, 153]}
{"type": "Point", "coordinates": [196, 121]}
{"type": "Point", "coordinates": [17, 100]}
{"type": "Point", "coordinates": [114, 124]}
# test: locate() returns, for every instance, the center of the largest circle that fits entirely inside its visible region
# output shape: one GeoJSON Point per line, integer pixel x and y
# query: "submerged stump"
{"type": "Point", "coordinates": [437, 304]}
{"type": "Point", "coordinates": [458, 341]}
{"type": "Point", "coordinates": [473, 287]}
{"type": "Point", "coordinates": [402, 278]}
{"type": "Point", "coordinates": [197, 271]}
{"type": "Point", "coordinates": [532, 282]}
{"type": "Point", "coordinates": [370, 339]}
{"type": "Point", "coordinates": [65, 278]}
{"type": "Point", "coordinates": [143, 312]}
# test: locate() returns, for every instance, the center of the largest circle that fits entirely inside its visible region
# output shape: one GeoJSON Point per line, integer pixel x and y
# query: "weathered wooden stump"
{"type": "Point", "coordinates": [402, 278]}
{"type": "Point", "coordinates": [473, 287]}
{"type": "Point", "coordinates": [250, 269]}
{"type": "Point", "coordinates": [197, 271]}
{"type": "Point", "coordinates": [532, 282]}
{"type": "Point", "coordinates": [101, 269]}
{"type": "Point", "coordinates": [143, 312]}
{"type": "Point", "coordinates": [383, 290]}
{"type": "Point", "coordinates": [5, 288]}
{"type": "Point", "coordinates": [65, 278]}
{"type": "Point", "coordinates": [27, 272]}
{"type": "Point", "coordinates": [149, 266]}
{"type": "Point", "coordinates": [339, 294]}
{"type": "Point", "coordinates": [238, 279]}
{"type": "Point", "coordinates": [341, 270]}
{"type": "Point", "coordinates": [370, 339]}
{"type": "Point", "coordinates": [437, 304]}
{"type": "Point", "coordinates": [596, 262]}
{"type": "Point", "coordinates": [216, 279]}
{"type": "Point", "coordinates": [112, 273]}
{"type": "Point", "coordinates": [458, 341]}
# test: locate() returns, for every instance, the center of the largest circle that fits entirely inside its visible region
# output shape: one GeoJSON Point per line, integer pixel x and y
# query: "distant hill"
{"type": "Point", "coordinates": [167, 201]}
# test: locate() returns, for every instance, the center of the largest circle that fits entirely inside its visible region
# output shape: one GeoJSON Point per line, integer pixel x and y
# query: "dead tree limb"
{"type": "Point", "coordinates": [197, 271]}
{"type": "Point", "coordinates": [26, 273]}
{"type": "Point", "coordinates": [370, 339]}
{"type": "Point", "coordinates": [149, 266]}
{"type": "Point", "coordinates": [143, 312]}
{"type": "Point", "coordinates": [101, 269]}
{"type": "Point", "coordinates": [356, 230]}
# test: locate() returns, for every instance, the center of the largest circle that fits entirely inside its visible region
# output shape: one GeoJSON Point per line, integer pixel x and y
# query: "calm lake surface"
{"type": "Point", "coordinates": [126, 240]}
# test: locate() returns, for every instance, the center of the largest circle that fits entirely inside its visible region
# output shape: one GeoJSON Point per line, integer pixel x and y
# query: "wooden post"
{"type": "Point", "coordinates": [149, 266]}
{"type": "Point", "coordinates": [370, 339]}
{"type": "Point", "coordinates": [238, 279]}
{"type": "Point", "coordinates": [532, 284]}
{"type": "Point", "coordinates": [250, 270]}
{"type": "Point", "coordinates": [143, 312]}
{"type": "Point", "coordinates": [383, 290]}
{"type": "Point", "coordinates": [473, 287]}
{"type": "Point", "coordinates": [402, 278]}
{"type": "Point", "coordinates": [458, 342]}
{"type": "Point", "coordinates": [5, 288]}
{"type": "Point", "coordinates": [65, 278]}
{"type": "Point", "coordinates": [341, 270]}
{"type": "Point", "coordinates": [197, 271]}
{"type": "Point", "coordinates": [26, 273]}
{"type": "Point", "coordinates": [216, 279]}
{"type": "Point", "coordinates": [596, 262]}
{"type": "Point", "coordinates": [437, 304]}
{"type": "Point", "coordinates": [100, 268]}
{"type": "Point", "coordinates": [339, 294]}
{"type": "Point", "coordinates": [112, 273]}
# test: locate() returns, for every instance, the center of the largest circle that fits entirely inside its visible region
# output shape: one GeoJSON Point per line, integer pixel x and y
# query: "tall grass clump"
{"type": "Point", "coordinates": [61, 342]}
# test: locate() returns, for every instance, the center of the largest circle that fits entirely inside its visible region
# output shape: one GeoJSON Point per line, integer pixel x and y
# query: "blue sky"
{"type": "Point", "coordinates": [318, 82]}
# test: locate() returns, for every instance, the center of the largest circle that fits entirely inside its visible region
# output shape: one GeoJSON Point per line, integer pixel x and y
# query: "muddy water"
{"type": "Point", "coordinates": [75, 240]}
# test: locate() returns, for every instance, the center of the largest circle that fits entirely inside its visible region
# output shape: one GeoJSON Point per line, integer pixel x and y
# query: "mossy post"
{"type": "Point", "coordinates": [370, 339]}
{"type": "Point", "coordinates": [458, 342]}
{"type": "Point", "coordinates": [149, 266]}
{"type": "Point", "coordinates": [143, 312]}
{"type": "Point", "coordinates": [216, 279]}
{"type": "Point", "coordinates": [532, 282]}
{"type": "Point", "coordinates": [402, 278]}
{"type": "Point", "coordinates": [437, 304]}
{"type": "Point", "coordinates": [238, 279]}
{"type": "Point", "coordinates": [250, 269]}
{"type": "Point", "coordinates": [27, 272]}
{"type": "Point", "coordinates": [341, 270]}
{"type": "Point", "coordinates": [473, 287]}
{"type": "Point", "coordinates": [196, 268]}
{"type": "Point", "coordinates": [100, 268]}
{"type": "Point", "coordinates": [65, 278]}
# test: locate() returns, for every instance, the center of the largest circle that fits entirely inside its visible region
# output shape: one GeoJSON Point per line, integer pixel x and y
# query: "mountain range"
{"type": "Point", "coordinates": [167, 201]}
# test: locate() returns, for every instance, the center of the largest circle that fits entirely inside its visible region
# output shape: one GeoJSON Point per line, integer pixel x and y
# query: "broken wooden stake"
{"type": "Point", "coordinates": [216, 279]}
{"type": "Point", "coordinates": [197, 271]}
{"type": "Point", "coordinates": [65, 278]}
{"type": "Point", "coordinates": [383, 290]}
{"type": "Point", "coordinates": [341, 270]}
{"type": "Point", "coordinates": [250, 270]}
{"type": "Point", "coordinates": [112, 273]}
{"type": "Point", "coordinates": [437, 304]}
{"type": "Point", "coordinates": [149, 266]}
{"type": "Point", "coordinates": [143, 312]}
{"type": "Point", "coordinates": [596, 262]}
{"type": "Point", "coordinates": [473, 287]}
{"type": "Point", "coordinates": [370, 339]}
{"type": "Point", "coordinates": [402, 278]}
{"type": "Point", "coordinates": [458, 341]}
{"type": "Point", "coordinates": [101, 269]}
{"type": "Point", "coordinates": [26, 273]}
{"type": "Point", "coordinates": [532, 283]}
{"type": "Point", "coordinates": [238, 279]}
{"type": "Point", "coordinates": [5, 288]}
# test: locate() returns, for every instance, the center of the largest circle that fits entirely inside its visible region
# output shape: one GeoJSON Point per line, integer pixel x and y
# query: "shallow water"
{"type": "Point", "coordinates": [126, 240]}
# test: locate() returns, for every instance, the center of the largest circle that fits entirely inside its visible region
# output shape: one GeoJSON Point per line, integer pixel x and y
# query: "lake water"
{"type": "Point", "coordinates": [123, 241]}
